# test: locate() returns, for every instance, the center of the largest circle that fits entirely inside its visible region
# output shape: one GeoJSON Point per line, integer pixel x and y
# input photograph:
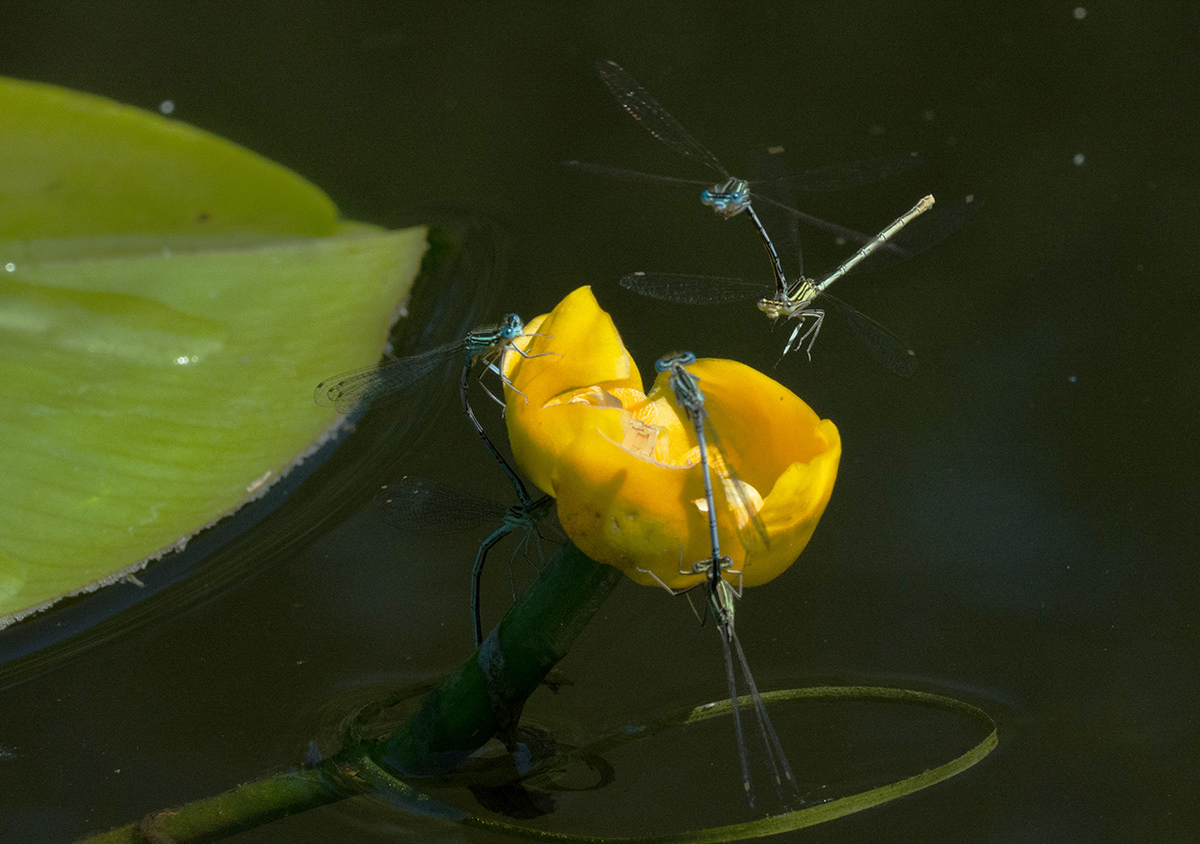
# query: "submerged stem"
{"type": "Point", "coordinates": [485, 695]}
{"type": "Point", "coordinates": [479, 700]}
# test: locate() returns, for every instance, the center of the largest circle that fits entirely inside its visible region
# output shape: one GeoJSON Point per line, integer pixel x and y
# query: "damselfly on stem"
{"type": "Point", "coordinates": [423, 506]}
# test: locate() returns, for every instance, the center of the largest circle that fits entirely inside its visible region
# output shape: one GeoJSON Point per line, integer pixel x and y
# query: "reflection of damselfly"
{"type": "Point", "coordinates": [798, 301]}
{"type": "Point", "coordinates": [718, 568]}
{"type": "Point", "coordinates": [732, 196]}
{"type": "Point", "coordinates": [422, 506]}
{"type": "Point", "coordinates": [390, 380]}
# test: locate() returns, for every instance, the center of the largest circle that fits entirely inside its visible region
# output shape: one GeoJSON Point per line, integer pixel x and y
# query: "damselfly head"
{"type": "Point", "coordinates": [800, 299]}
{"type": "Point", "coordinates": [666, 362]}
{"type": "Point", "coordinates": [728, 199]}
{"type": "Point", "coordinates": [773, 308]}
{"type": "Point", "coordinates": [511, 328]}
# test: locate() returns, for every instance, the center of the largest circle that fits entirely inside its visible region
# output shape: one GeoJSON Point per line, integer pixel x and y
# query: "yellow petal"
{"type": "Point", "coordinates": [636, 514]}
{"type": "Point", "coordinates": [778, 446]}
{"type": "Point", "coordinates": [625, 466]}
{"type": "Point", "coordinates": [577, 363]}
{"type": "Point", "coordinates": [792, 509]}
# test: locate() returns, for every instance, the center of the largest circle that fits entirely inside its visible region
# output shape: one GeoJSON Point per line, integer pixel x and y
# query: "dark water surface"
{"type": "Point", "coordinates": [1013, 526]}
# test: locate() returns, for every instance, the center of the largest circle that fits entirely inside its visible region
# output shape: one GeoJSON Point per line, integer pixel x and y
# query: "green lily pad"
{"type": "Point", "coordinates": [168, 301]}
{"type": "Point", "coordinates": [79, 166]}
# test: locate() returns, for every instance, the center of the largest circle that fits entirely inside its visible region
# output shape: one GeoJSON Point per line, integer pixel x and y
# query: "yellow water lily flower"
{"type": "Point", "coordinates": [625, 466]}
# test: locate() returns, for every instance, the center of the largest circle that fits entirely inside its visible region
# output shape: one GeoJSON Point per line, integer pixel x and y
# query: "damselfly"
{"type": "Point", "coordinates": [720, 591]}
{"type": "Point", "coordinates": [390, 380]}
{"type": "Point", "coordinates": [798, 302]}
{"type": "Point", "coordinates": [423, 506]}
{"type": "Point", "coordinates": [690, 398]}
{"type": "Point", "coordinates": [732, 196]}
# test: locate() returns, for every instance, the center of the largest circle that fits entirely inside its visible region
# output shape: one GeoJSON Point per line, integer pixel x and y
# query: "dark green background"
{"type": "Point", "coordinates": [1014, 525]}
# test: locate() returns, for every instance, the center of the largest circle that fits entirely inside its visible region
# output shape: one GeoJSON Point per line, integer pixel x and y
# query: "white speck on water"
{"type": "Point", "coordinates": [184, 360]}
{"type": "Point", "coordinates": [10, 267]}
{"type": "Point", "coordinates": [166, 106]}
{"type": "Point", "coordinates": [1078, 159]}
{"type": "Point", "coordinates": [1080, 13]}
{"type": "Point", "coordinates": [1071, 378]}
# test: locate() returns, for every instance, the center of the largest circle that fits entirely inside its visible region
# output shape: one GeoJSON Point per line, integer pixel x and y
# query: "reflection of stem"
{"type": "Point", "coordinates": [471, 706]}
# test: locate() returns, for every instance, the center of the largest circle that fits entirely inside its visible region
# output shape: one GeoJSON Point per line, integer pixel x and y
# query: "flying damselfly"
{"type": "Point", "coordinates": [798, 302]}
{"type": "Point", "coordinates": [732, 196]}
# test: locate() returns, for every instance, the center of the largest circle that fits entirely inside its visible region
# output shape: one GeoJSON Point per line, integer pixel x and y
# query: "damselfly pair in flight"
{"type": "Point", "coordinates": [719, 569]}
{"type": "Point", "coordinates": [791, 298]}
{"type": "Point", "coordinates": [391, 380]}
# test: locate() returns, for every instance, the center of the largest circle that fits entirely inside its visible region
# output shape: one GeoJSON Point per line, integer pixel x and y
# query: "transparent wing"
{"type": "Point", "coordinates": [831, 228]}
{"type": "Point", "coordinates": [776, 758]}
{"type": "Point", "coordinates": [784, 227]}
{"type": "Point", "coordinates": [695, 289]}
{"type": "Point", "coordinates": [387, 380]}
{"type": "Point", "coordinates": [754, 532]}
{"type": "Point", "coordinates": [851, 174]}
{"type": "Point", "coordinates": [737, 715]}
{"type": "Point", "coordinates": [885, 346]}
{"type": "Point", "coordinates": [427, 507]}
{"type": "Point", "coordinates": [927, 231]}
{"type": "Point", "coordinates": [652, 116]}
{"type": "Point", "coordinates": [631, 175]}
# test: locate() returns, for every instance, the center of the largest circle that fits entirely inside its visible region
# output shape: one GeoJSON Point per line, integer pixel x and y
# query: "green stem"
{"type": "Point", "coordinates": [484, 697]}
{"type": "Point", "coordinates": [468, 709]}
{"type": "Point", "coordinates": [247, 806]}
